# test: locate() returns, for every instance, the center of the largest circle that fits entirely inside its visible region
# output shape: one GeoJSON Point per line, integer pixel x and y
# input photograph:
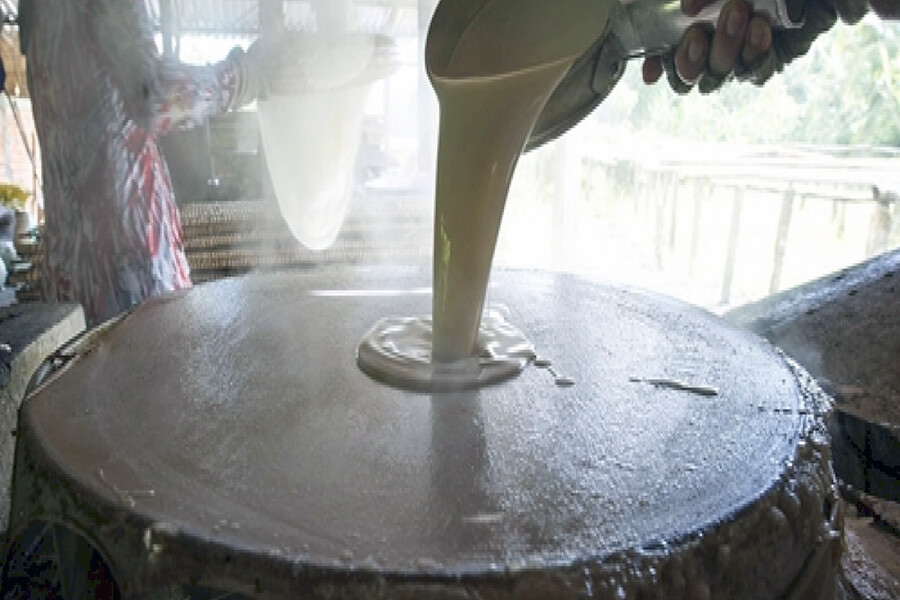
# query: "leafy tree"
{"type": "Point", "coordinates": [845, 91]}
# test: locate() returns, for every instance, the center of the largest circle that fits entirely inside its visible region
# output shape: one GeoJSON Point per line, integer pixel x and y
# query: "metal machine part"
{"type": "Point", "coordinates": [636, 28]}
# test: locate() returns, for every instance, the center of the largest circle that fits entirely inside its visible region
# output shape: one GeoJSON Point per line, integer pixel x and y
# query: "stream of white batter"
{"type": "Point", "coordinates": [492, 88]}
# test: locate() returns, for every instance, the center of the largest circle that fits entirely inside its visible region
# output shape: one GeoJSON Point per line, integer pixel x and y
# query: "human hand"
{"type": "Point", "coordinates": [263, 61]}
{"type": "Point", "coordinates": [743, 44]}
{"type": "Point", "coordinates": [851, 11]}
{"type": "Point", "coordinates": [707, 58]}
{"type": "Point", "coordinates": [248, 81]}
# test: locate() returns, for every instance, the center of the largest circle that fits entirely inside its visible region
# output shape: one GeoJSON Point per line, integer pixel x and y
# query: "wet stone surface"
{"type": "Point", "coordinates": [233, 421]}
{"type": "Point", "coordinates": [28, 334]}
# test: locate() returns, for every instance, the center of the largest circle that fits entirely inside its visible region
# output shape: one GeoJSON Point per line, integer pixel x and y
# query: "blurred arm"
{"type": "Point", "coordinates": [159, 93]}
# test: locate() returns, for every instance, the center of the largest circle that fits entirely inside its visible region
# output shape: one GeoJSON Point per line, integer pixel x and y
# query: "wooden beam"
{"type": "Point", "coordinates": [271, 16]}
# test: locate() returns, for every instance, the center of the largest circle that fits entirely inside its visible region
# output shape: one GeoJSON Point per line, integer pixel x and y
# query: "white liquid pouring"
{"type": "Point", "coordinates": [492, 85]}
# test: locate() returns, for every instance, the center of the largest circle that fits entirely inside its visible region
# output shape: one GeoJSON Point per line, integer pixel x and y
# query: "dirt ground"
{"type": "Point", "coordinates": [871, 561]}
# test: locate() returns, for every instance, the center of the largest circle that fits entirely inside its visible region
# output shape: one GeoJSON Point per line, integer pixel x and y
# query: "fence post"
{"type": "Point", "coordinates": [881, 224]}
{"type": "Point", "coordinates": [701, 190]}
{"type": "Point", "coordinates": [781, 238]}
{"type": "Point", "coordinates": [673, 184]}
{"type": "Point", "coordinates": [659, 203]}
{"type": "Point", "coordinates": [733, 234]}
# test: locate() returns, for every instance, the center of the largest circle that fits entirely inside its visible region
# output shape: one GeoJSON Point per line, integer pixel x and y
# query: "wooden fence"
{"type": "Point", "coordinates": [661, 180]}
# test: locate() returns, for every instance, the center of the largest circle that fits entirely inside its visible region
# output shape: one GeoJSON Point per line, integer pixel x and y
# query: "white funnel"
{"type": "Point", "coordinates": [311, 123]}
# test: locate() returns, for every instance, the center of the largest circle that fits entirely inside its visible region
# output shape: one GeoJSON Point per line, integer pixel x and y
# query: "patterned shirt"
{"type": "Point", "coordinates": [102, 95]}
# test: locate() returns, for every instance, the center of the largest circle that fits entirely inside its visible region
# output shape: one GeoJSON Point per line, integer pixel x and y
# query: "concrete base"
{"type": "Point", "coordinates": [29, 333]}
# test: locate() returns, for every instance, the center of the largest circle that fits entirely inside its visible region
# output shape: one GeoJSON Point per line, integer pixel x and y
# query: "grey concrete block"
{"type": "Point", "coordinates": [29, 333]}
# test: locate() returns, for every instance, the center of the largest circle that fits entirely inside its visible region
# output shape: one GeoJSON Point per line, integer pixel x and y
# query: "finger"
{"type": "Point", "coordinates": [851, 11]}
{"type": "Point", "coordinates": [765, 68]}
{"type": "Point", "coordinates": [758, 41]}
{"type": "Point", "coordinates": [673, 78]}
{"type": "Point", "coordinates": [652, 69]}
{"type": "Point", "coordinates": [729, 37]}
{"type": "Point", "coordinates": [790, 44]}
{"type": "Point", "coordinates": [690, 57]}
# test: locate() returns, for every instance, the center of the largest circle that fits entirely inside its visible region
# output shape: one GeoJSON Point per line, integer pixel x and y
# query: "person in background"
{"type": "Point", "coordinates": [744, 46]}
{"type": "Point", "coordinates": [102, 95]}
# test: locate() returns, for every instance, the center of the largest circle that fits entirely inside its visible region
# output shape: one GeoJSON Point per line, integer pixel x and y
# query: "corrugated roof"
{"type": "Point", "coordinates": [223, 17]}
{"type": "Point", "coordinates": [241, 17]}
{"type": "Point", "coordinates": [227, 18]}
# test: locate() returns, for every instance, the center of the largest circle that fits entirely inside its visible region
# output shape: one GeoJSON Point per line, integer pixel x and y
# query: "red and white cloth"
{"type": "Point", "coordinates": [102, 95]}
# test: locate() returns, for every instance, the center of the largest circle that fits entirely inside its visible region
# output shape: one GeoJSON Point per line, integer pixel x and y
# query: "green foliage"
{"type": "Point", "coordinates": [12, 196]}
{"type": "Point", "coordinates": [845, 91]}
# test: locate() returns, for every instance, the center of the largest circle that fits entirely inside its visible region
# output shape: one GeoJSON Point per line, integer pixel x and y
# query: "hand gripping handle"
{"type": "Point", "coordinates": [654, 26]}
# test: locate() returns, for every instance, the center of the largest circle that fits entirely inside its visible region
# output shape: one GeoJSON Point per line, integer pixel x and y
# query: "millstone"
{"type": "Point", "coordinates": [225, 436]}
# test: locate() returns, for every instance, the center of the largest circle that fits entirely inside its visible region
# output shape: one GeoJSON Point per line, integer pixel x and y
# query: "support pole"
{"type": "Point", "coordinates": [427, 102]}
{"type": "Point", "coordinates": [167, 24]}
